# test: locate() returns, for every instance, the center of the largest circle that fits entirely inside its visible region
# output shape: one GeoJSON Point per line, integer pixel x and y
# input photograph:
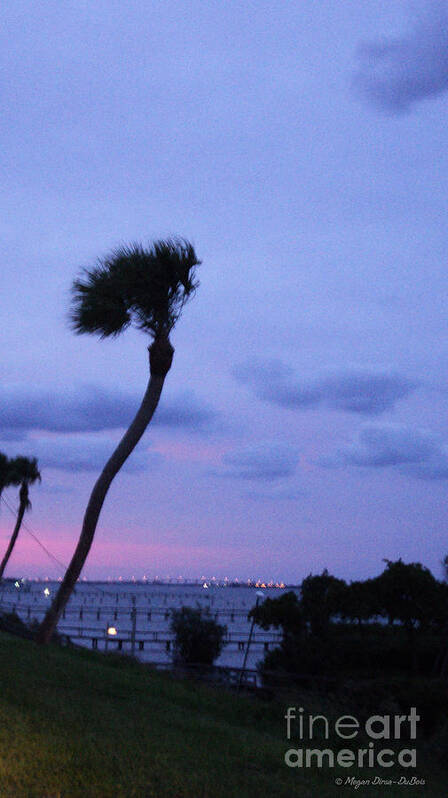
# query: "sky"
{"type": "Point", "coordinates": [302, 148]}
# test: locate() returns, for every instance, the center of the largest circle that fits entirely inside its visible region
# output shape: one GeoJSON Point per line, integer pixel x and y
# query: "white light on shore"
{"type": "Point", "coordinates": [112, 630]}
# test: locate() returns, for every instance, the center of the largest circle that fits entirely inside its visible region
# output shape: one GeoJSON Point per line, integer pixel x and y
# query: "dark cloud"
{"type": "Point", "coordinates": [354, 391]}
{"type": "Point", "coordinates": [90, 409]}
{"type": "Point", "coordinates": [80, 453]}
{"type": "Point", "coordinates": [395, 73]}
{"type": "Point", "coordinates": [264, 462]}
{"type": "Point", "coordinates": [185, 411]}
{"type": "Point", "coordinates": [413, 451]}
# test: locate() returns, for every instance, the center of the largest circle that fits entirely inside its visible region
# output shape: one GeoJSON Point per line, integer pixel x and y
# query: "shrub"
{"type": "Point", "coordinates": [198, 638]}
{"type": "Point", "coordinates": [10, 622]}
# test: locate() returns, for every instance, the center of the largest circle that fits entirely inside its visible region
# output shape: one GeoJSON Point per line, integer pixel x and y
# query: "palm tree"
{"type": "Point", "coordinates": [147, 287]}
{"type": "Point", "coordinates": [23, 471]}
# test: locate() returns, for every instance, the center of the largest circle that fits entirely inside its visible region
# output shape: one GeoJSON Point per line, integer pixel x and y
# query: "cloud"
{"type": "Point", "coordinates": [80, 453]}
{"type": "Point", "coordinates": [395, 73]}
{"type": "Point", "coordinates": [412, 451]}
{"type": "Point", "coordinates": [185, 411]}
{"type": "Point", "coordinates": [90, 409]}
{"type": "Point", "coordinates": [265, 462]}
{"type": "Point", "coordinates": [354, 391]}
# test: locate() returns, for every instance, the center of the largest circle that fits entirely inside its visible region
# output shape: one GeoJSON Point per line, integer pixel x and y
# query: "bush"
{"type": "Point", "coordinates": [10, 622]}
{"type": "Point", "coordinates": [198, 638]}
{"type": "Point", "coordinates": [349, 650]}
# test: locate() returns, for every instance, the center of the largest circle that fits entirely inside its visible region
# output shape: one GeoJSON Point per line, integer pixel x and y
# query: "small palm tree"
{"type": "Point", "coordinates": [23, 471]}
{"type": "Point", "coordinates": [147, 287]}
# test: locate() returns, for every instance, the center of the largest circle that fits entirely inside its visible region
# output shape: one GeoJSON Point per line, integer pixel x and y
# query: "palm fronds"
{"type": "Point", "coordinates": [146, 286]}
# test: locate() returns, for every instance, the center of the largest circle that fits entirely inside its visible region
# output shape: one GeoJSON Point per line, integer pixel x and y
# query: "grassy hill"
{"type": "Point", "coordinates": [76, 723]}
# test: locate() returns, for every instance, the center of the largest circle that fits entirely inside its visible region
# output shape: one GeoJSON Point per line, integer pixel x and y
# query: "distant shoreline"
{"type": "Point", "coordinates": [211, 583]}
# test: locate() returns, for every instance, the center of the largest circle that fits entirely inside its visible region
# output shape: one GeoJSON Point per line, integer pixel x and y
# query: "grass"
{"type": "Point", "coordinates": [77, 723]}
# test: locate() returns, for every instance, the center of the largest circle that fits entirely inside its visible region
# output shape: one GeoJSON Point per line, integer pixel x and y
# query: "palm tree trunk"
{"type": "Point", "coordinates": [161, 353]}
{"type": "Point", "coordinates": [22, 507]}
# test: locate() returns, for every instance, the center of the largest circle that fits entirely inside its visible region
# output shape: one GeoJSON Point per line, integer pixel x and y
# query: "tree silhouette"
{"type": "Point", "coordinates": [23, 471]}
{"type": "Point", "coordinates": [148, 288]}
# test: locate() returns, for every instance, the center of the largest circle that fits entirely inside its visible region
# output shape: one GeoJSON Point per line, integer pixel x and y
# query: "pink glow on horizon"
{"type": "Point", "coordinates": [114, 558]}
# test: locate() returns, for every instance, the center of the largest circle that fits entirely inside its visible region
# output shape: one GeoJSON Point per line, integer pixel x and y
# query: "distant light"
{"type": "Point", "coordinates": [46, 592]}
{"type": "Point", "coordinates": [205, 584]}
{"type": "Point", "coordinates": [112, 630]}
{"type": "Point", "coordinates": [17, 584]}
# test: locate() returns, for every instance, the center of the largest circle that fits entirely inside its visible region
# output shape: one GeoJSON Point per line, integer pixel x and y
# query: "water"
{"type": "Point", "coordinates": [97, 606]}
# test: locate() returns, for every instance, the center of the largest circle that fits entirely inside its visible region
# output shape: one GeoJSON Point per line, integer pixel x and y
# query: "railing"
{"type": "Point", "coordinates": [159, 638]}
{"type": "Point", "coordinates": [232, 676]}
{"type": "Point", "coordinates": [129, 638]}
{"type": "Point", "coordinates": [108, 610]}
{"type": "Point", "coordinates": [216, 673]}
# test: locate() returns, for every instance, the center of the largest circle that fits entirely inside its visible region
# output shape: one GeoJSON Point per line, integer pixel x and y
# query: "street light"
{"type": "Point", "coordinates": [134, 626]}
{"type": "Point", "coordinates": [259, 594]}
{"type": "Point", "coordinates": [111, 631]}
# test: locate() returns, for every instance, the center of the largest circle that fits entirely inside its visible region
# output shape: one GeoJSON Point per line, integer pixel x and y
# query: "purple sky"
{"type": "Point", "coordinates": [302, 148]}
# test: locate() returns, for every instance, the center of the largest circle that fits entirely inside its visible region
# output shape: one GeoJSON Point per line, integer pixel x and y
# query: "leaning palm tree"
{"type": "Point", "coordinates": [147, 287]}
{"type": "Point", "coordinates": [23, 471]}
